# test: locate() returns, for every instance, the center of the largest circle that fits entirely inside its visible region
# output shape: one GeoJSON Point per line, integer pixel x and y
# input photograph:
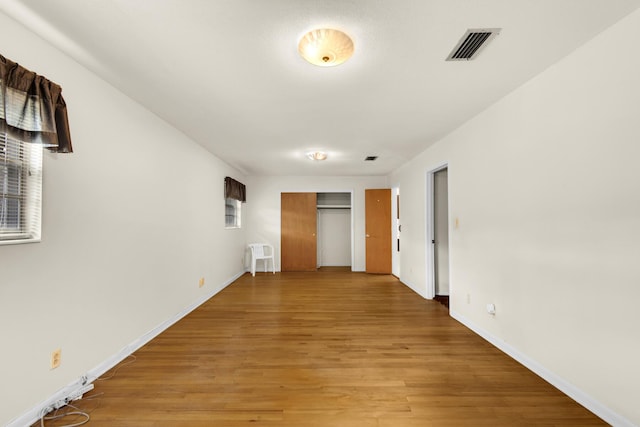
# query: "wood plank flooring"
{"type": "Point", "coordinates": [331, 348]}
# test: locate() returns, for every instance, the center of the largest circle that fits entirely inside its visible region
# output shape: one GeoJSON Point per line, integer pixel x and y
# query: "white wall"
{"type": "Point", "coordinates": [546, 187]}
{"type": "Point", "coordinates": [263, 201]}
{"type": "Point", "coordinates": [131, 221]}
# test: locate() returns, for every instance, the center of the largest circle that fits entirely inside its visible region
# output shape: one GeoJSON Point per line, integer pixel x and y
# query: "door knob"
{"type": "Point", "coordinates": [367, 235]}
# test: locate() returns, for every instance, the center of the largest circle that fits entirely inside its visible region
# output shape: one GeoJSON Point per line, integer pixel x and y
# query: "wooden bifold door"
{"type": "Point", "coordinates": [298, 240]}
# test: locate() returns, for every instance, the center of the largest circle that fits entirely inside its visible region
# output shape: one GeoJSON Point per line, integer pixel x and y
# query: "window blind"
{"type": "Point", "coordinates": [20, 189]}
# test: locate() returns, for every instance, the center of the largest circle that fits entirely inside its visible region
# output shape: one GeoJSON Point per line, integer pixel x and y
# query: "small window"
{"type": "Point", "coordinates": [232, 213]}
{"type": "Point", "coordinates": [20, 190]}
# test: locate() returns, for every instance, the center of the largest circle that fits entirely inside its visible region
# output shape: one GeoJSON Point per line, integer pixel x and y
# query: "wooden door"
{"type": "Point", "coordinates": [298, 241]}
{"type": "Point", "coordinates": [378, 231]}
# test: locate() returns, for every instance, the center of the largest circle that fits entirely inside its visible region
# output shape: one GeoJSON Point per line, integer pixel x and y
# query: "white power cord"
{"type": "Point", "coordinates": [77, 411]}
{"type": "Point", "coordinates": [56, 415]}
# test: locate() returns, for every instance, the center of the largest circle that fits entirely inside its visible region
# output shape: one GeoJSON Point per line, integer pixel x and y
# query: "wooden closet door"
{"type": "Point", "coordinates": [378, 231]}
{"type": "Point", "coordinates": [298, 240]}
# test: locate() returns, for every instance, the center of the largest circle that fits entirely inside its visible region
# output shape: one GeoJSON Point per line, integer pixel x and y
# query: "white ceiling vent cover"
{"type": "Point", "coordinates": [471, 43]}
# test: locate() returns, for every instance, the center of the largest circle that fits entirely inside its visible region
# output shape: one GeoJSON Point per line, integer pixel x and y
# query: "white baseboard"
{"type": "Point", "coordinates": [560, 383]}
{"type": "Point", "coordinates": [33, 415]}
{"type": "Point", "coordinates": [414, 288]}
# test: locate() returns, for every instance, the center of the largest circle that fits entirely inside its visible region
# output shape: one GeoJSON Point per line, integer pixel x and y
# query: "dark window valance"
{"type": "Point", "coordinates": [32, 108]}
{"type": "Point", "coordinates": [234, 190]}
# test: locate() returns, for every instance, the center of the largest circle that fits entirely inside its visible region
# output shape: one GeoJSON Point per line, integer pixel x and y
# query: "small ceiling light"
{"type": "Point", "coordinates": [317, 155]}
{"type": "Point", "coordinates": [326, 47]}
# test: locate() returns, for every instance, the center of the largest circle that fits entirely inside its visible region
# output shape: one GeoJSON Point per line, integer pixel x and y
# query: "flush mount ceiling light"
{"type": "Point", "coordinates": [317, 155]}
{"type": "Point", "coordinates": [326, 47]}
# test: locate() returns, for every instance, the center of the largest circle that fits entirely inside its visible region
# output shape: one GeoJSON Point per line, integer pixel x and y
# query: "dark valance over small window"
{"type": "Point", "coordinates": [234, 190]}
{"type": "Point", "coordinates": [32, 108]}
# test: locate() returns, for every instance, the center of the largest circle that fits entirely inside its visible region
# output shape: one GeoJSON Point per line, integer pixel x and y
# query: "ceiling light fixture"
{"type": "Point", "coordinates": [325, 47]}
{"type": "Point", "coordinates": [317, 155]}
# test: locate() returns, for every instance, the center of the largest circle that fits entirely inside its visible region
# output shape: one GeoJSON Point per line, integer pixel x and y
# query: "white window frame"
{"type": "Point", "coordinates": [232, 213]}
{"type": "Point", "coordinates": [22, 222]}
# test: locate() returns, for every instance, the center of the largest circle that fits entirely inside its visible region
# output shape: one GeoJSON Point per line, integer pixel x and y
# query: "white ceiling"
{"type": "Point", "coordinates": [228, 75]}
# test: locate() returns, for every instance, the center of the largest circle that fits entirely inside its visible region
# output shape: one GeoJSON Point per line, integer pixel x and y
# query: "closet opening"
{"type": "Point", "coordinates": [335, 236]}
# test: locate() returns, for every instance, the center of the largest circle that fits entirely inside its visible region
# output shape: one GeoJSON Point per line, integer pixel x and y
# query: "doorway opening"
{"type": "Point", "coordinates": [438, 234]}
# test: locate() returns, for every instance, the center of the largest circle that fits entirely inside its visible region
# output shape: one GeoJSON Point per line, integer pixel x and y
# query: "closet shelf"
{"type": "Point", "coordinates": [334, 207]}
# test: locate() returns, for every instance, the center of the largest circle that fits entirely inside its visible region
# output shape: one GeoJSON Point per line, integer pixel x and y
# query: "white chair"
{"type": "Point", "coordinates": [258, 252]}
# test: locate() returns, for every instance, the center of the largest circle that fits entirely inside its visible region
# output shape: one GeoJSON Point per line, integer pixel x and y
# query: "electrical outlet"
{"type": "Point", "coordinates": [56, 358]}
{"type": "Point", "coordinates": [491, 309]}
{"type": "Point", "coordinates": [201, 282]}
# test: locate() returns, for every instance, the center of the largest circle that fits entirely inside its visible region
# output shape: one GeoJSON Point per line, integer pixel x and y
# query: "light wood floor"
{"type": "Point", "coordinates": [331, 348]}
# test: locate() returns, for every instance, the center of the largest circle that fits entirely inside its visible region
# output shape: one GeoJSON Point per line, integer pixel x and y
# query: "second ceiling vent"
{"type": "Point", "coordinates": [471, 43]}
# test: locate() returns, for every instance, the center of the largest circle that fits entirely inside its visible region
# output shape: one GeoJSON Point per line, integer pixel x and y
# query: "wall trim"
{"type": "Point", "coordinates": [413, 287]}
{"type": "Point", "coordinates": [34, 414]}
{"type": "Point", "coordinates": [593, 405]}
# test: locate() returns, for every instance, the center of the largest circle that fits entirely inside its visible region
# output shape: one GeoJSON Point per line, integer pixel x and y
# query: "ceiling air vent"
{"type": "Point", "coordinates": [471, 44]}
{"type": "Point", "coordinates": [370, 158]}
